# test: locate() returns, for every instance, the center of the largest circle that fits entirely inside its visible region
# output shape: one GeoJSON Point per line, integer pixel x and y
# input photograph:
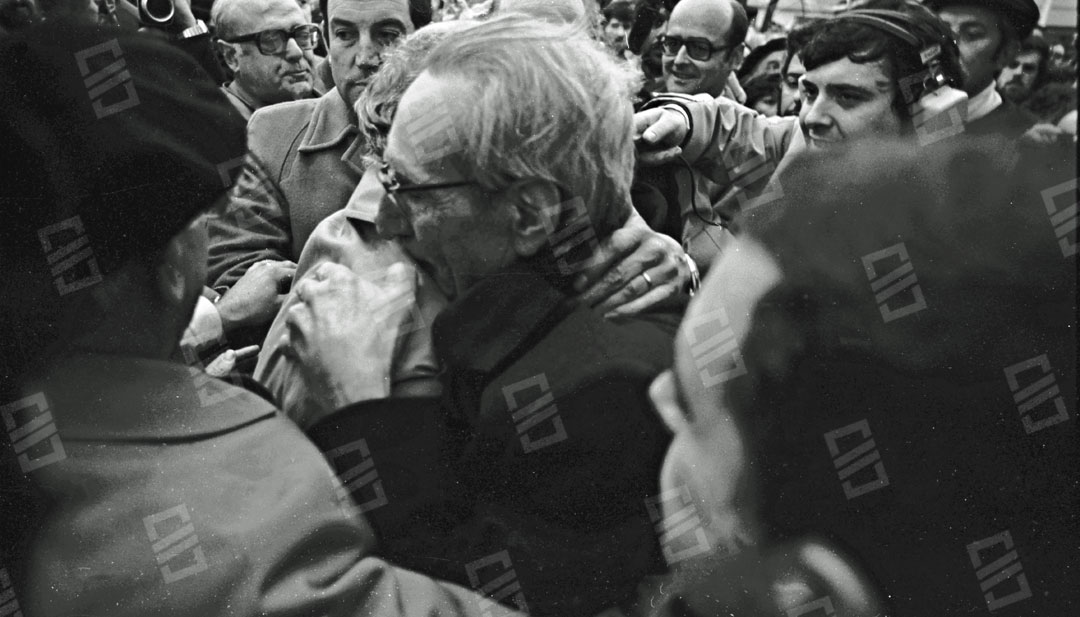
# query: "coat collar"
{"type": "Point", "coordinates": [331, 124]}
{"type": "Point", "coordinates": [112, 398]}
{"type": "Point", "coordinates": [494, 318]}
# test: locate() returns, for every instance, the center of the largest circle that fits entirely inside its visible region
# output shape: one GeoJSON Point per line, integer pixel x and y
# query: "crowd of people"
{"type": "Point", "coordinates": [545, 307]}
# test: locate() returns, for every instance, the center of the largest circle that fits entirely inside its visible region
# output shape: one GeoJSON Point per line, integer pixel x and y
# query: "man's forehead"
{"type": "Point", "coordinates": [710, 19]}
{"type": "Point", "coordinates": [961, 14]}
{"type": "Point", "coordinates": [369, 10]}
{"type": "Point", "coordinates": [844, 72]}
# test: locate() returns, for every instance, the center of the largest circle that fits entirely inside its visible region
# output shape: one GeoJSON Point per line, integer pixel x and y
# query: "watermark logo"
{"type": "Point", "coordinates": [9, 604]}
{"type": "Point", "coordinates": [1002, 580]}
{"type": "Point", "coordinates": [175, 544]}
{"type": "Point", "coordinates": [360, 481]}
{"type": "Point", "coordinates": [714, 347]}
{"type": "Point", "coordinates": [682, 534]}
{"type": "Point", "coordinates": [848, 462]}
{"type": "Point", "coordinates": [936, 113]}
{"type": "Point", "coordinates": [1031, 397]}
{"type": "Point", "coordinates": [32, 432]}
{"type": "Point", "coordinates": [529, 410]}
{"type": "Point", "coordinates": [71, 259]}
{"type": "Point", "coordinates": [1063, 219]}
{"type": "Point", "coordinates": [434, 134]}
{"type": "Point", "coordinates": [900, 279]}
{"type": "Point", "coordinates": [494, 577]}
{"type": "Point", "coordinates": [745, 176]}
{"type": "Point", "coordinates": [103, 79]}
{"type": "Point", "coordinates": [571, 235]}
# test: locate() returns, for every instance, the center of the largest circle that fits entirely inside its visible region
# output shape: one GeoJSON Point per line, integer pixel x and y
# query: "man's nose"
{"type": "Point", "coordinates": [370, 53]}
{"type": "Point", "coordinates": [682, 56]}
{"type": "Point", "coordinates": [817, 114]}
{"type": "Point", "coordinates": [389, 221]}
{"type": "Point", "coordinates": [293, 52]}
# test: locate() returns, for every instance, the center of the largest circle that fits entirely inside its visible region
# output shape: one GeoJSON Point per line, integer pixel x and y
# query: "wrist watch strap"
{"type": "Point", "coordinates": [194, 31]}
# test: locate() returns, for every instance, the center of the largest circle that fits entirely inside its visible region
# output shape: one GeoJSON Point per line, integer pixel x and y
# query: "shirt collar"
{"type": "Point", "coordinates": [331, 123]}
{"type": "Point", "coordinates": [983, 103]}
{"type": "Point", "coordinates": [364, 202]}
{"type": "Point", "coordinates": [493, 319]}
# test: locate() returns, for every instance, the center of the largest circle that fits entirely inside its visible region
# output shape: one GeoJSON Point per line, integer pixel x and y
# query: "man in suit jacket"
{"type": "Point", "coordinates": [147, 487]}
{"type": "Point", "coordinates": [531, 477]}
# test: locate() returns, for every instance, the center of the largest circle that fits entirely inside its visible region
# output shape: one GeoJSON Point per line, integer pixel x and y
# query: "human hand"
{"type": "Point", "coordinates": [343, 331]}
{"type": "Point", "coordinates": [632, 270]}
{"type": "Point", "coordinates": [255, 299]}
{"type": "Point", "coordinates": [226, 361]}
{"type": "Point", "coordinates": [1042, 134]}
{"type": "Point", "coordinates": [658, 133]}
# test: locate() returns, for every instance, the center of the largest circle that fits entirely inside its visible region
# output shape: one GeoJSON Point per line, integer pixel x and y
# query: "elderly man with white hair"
{"type": "Point", "coordinates": [537, 464]}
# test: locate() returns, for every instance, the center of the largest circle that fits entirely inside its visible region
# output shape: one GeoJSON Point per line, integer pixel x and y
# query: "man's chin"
{"type": "Point", "coordinates": [682, 85]}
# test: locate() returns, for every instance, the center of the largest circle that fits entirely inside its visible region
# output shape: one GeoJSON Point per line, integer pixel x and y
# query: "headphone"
{"type": "Point", "coordinates": [939, 108]}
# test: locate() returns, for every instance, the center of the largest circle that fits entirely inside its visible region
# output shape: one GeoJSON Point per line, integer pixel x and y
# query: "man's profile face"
{"type": "Point", "coordinates": [845, 100]}
{"type": "Point", "coordinates": [1017, 79]}
{"type": "Point", "coordinates": [790, 99]}
{"type": "Point", "coordinates": [686, 75]}
{"type": "Point", "coordinates": [706, 458]}
{"type": "Point", "coordinates": [457, 235]}
{"type": "Point", "coordinates": [615, 31]}
{"type": "Point", "coordinates": [978, 34]}
{"type": "Point", "coordinates": [359, 32]}
{"type": "Point", "coordinates": [285, 76]}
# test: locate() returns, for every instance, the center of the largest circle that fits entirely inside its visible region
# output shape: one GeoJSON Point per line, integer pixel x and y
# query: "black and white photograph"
{"type": "Point", "coordinates": [539, 308]}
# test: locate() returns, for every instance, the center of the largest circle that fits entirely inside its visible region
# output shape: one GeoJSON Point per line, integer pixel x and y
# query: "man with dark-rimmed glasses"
{"type": "Point", "coordinates": [702, 45]}
{"type": "Point", "coordinates": [269, 46]}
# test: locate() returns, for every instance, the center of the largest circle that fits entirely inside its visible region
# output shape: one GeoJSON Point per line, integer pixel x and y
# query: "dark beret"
{"type": "Point", "coordinates": [115, 136]}
{"type": "Point", "coordinates": [1023, 15]}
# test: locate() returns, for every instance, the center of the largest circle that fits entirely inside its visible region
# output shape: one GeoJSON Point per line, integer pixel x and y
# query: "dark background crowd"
{"type": "Point", "coordinates": [549, 307]}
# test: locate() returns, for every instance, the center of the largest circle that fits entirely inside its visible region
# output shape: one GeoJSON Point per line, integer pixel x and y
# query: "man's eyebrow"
{"type": "Point", "coordinates": [389, 22]}
{"type": "Point", "coordinates": [853, 89]}
{"type": "Point", "coordinates": [337, 21]}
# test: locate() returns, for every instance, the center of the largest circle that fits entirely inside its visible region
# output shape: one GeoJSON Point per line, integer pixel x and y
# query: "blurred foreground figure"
{"type": "Point", "coordinates": [134, 485]}
{"type": "Point", "coordinates": [883, 422]}
{"type": "Point", "coordinates": [540, 456]}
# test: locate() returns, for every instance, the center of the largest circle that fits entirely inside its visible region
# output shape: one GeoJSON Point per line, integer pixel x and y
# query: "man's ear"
{"type": "Point", "coordinates": [229, 55]}
{"type": "Point", "coordinates": [535, 212]}
{"type": "Point", "coordinates": [169, 271]}
{"type": "Point", "coordinates": [735, 59]}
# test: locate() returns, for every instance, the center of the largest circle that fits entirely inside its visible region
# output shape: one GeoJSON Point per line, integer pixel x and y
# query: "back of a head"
{"type": "Point", "coordinates": [927, 308]}
{"type": "Point", "coordinates": [542, 100]}
{"type": "Point", "coordinates": [113, 169]}
{"type": "Point", "coordinates": [554, 11]}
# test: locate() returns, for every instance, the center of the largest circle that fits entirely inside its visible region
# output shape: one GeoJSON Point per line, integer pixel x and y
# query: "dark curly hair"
{"type": "Point", "coordinates": [838, 38]}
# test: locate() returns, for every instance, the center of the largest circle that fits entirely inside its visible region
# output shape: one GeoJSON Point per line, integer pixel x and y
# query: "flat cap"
{"type": "Point", "coordinates": [1023, 15]}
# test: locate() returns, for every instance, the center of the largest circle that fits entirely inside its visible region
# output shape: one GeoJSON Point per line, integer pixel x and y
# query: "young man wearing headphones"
{"type": "Point", "coordinates": [903, 82]}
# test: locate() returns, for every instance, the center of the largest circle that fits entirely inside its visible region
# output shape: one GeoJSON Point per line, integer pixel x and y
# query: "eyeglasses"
{"type": "Point", "coordinates": [273, 42]}
{"type": "Point", "coordinates": [697, 48]}
{"type": "Point", "coordinates": [392, 186]}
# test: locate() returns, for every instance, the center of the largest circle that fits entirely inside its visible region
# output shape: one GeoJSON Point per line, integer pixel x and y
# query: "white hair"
{"type": "Point", "coordinates": [549, 103]}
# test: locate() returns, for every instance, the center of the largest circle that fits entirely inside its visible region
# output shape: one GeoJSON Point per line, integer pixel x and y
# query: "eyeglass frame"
{"type": "Point", "coordinates": [388, 179]}
{"type": "Point", "coordinates": [683, 43]}
{"type": "Point", "coordinates": [289, 35]}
